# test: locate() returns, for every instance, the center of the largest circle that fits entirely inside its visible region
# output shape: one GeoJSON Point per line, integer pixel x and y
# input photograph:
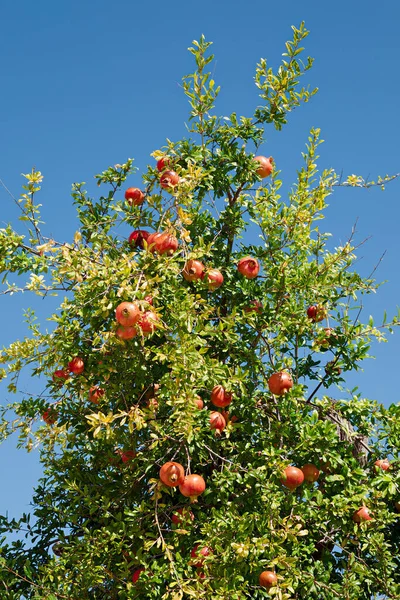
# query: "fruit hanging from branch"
{"type": "Point", "coordinates": [198, 401]}
{"type": "Point", "coordinates": [193, 270]}
{"type": "Point", "coordinates": [182, 516]}
{"type": "Point", "coordinates": [316, 313]}
{"type": "Point", "coordinates": [162, 242]}
{"type": "Point", "coordinates": [254, 306]}
{"type": "Point", "coordinates": [217, 422]}
{"type": "Point", "coordinates": [149, 322]}
{"type": "Point", "coordinates": [280, 383]}
{"type": "Point", "coordinates": [249, 267]}
{"type": "Point", "coordinates": [266, 166]}
{"type": "Point", "coordinates": [50, 416]}
{"type": "Point", "coordinates": [268, 579]}
{"type": "Point", "coordinates": [310, 472]}
{"type": "Point", "coordinates": [382, 464]}
{"type": "Point", "coordinates": [172, 474]}
{"type": "Point", "coordinates": [127, 314]}
{"type": "Point", "coordinates": [163, 163]}
{"type": "Point", "coordinates": [292, 478]}
{"type": "Point", "coordinates": [134, 196]}
{"type": "Point", "coordinates": [169, 180]}
{"type": "Point", "coordinates": [214, 279]}
{"type": "Point", "coordinates": [60, 375]}
{"type": "Point", "coordinates": [76, 365]}
{"type": "Point", "coordinates": [220, 397]}
{"type": "Point", "coordinates": [198, 554]}
{"type": "Point", "coordinates": [138, 237]}
{"type": "Point", "coordinates": [136, 574]}
{"type": "Point", "coordinates": [126, 333]}
{"type": "Point", "coordinates": [192, 486]}
{"type": "Point", "coordinates": [95, 393]}
{"type": "Point", "coordinates": [361, 515]}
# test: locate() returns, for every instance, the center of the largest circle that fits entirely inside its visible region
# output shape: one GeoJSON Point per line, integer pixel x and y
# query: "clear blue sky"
{"type": "Point", "coordinates": [88, 84]}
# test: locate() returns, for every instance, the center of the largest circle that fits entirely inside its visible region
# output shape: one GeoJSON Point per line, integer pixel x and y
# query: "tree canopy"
{"type": "Point", "coordinates": [194, 427]}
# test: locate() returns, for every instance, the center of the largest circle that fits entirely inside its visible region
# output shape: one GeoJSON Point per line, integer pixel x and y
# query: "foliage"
{"type": "Point", "coordinates": [109, 517]}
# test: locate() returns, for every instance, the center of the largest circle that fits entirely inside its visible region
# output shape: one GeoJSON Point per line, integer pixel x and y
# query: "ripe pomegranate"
{"type": "Point", "coordinates": [60, 375]}
{"type": "Point", "coordinates": [214, 279]}
{"type": "Point", "coordinates": [220, 397]}
{"type": "Point", "coordinates": [248, 267]}
{"type": "Point", "coordinates": [163, 163]}
{"type": "Point", "coordinates": [148, 299]}
{"type": "Point", "coordinates": [151, 241]}
{"type": "Point", "coordinates": [198, 555]}
{"type": "Point", "coordinates": [193, 269]}
{"type": "Point", "coordinates": [134, 196]}
{"type": "Point", "coordinates": [383, 464]}
{"type": "Point", "coordinates": [166, 243]}
{"type": "Point", "coordinates": [126, 333]}
{"type": "Point", "coordinates": [266, 166]}
{"type": "Point", "coordinates": [127, 455]}
{"type": "Point", "coordinates": [95, 393]}
{"type": "Point", "coordinates": [172, 474]}
{"type": "Point", "coordinates": [280, 383]}
{"type": "Point", "coordinates": [192, 486]}
{"type": "Point", "coordinates": [50, 416]}
{"type": "Point", "coordinates": [292, 477]}
{"type": "Point", "coordinates": [182, 516]}
{"type": "Point", "coordinates": [136, 574]}
{"type": "Point", "coordinates": [162, 242]}
{"type": "Point", "coordinates": [397, 506]}
{"type": "Point", "coordinates": [76, 365]}
{"type": "Point", "coordinates": [254, 306]}
{"type": "Point", "coordinates": [169, 179]}
{"type": "Point", "coordinates": [199, 402]}
{"type": "Point", "coordinates": [217, 422]}
{"type": "Point", "coordinates": [149, 322]}
{"type": "Point", "coordinates": [362, 514]}
{"type": "Point", "coordinates": [310, 472]}
{"type": "Point", "coordinates": [268, 579]}
{"type": "Point", "coordinates": [138, 237]}
{"type": "Point", "coordinates": [127, 314]}
{"type": "Point", "coordinates": [316, 313]}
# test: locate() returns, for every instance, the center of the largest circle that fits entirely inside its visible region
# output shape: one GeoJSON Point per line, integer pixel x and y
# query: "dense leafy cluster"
{"type": "Point", "coordinates": [105, 526]}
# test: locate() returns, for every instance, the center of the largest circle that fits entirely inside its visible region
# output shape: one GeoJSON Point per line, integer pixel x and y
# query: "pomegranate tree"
{"type": "Point", "coordinates": [188, 390]}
